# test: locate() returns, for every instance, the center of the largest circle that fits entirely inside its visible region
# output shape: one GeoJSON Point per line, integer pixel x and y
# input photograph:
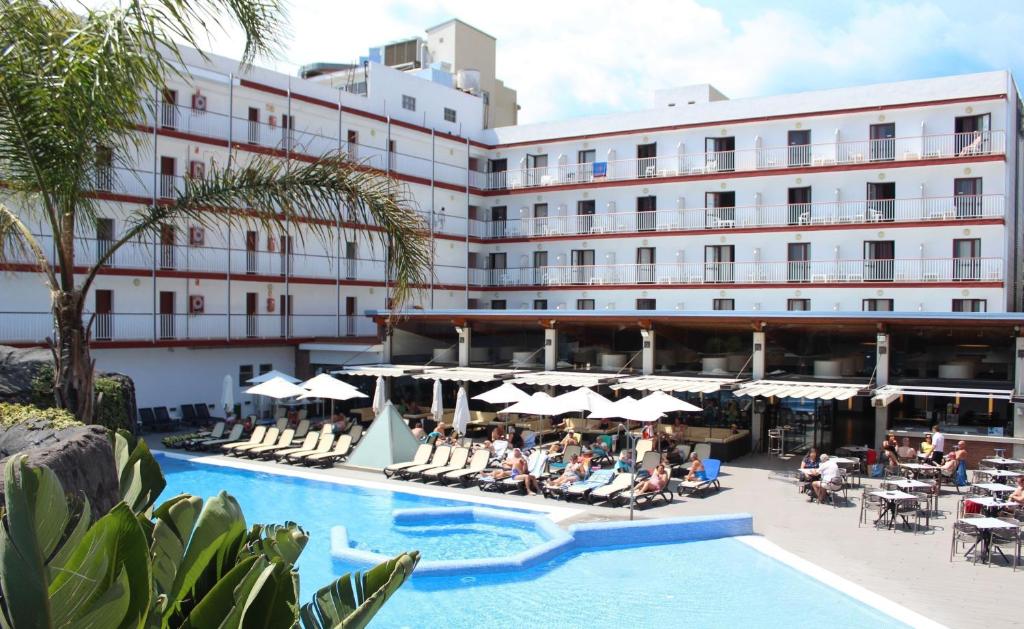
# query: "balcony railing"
{"type": "Point", "coordinates": [35, 327]}
{"type": "Point", "coordinates": [794, 214]}
{"type": "Point", "coordinates": [802, 272]}
{"type": "Point", "coordinates": [840, 153]}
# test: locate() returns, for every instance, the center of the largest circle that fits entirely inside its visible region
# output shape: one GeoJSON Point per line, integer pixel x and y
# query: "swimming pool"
{"type": "Point", "coordinates": [713, 583]}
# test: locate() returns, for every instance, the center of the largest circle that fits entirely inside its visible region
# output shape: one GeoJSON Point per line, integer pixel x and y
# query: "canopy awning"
{"type": "Point", "coordinates": [385, 370]}
{"type": "Point", "coordinates": [888, 394]}
{"type": "Point", "coordinates": [467, 374]}
{"type": "Point", "coordinates": [802, 390]}
{"type": "Point", "coordinates": [564, 379]}
{"type": "Point", "coordinates": [679, 384]}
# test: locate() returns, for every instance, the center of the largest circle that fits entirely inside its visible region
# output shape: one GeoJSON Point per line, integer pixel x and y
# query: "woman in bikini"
{"type": "Point", "coordinates": [654, 484]}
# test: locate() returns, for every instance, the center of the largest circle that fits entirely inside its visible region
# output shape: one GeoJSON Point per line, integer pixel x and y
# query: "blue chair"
{"type": "Point", "coordinates": [598, 478]}
{"type": "Point", "coordinates": [699, 487]}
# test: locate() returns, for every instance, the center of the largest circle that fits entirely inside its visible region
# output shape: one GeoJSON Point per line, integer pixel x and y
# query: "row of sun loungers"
{"type": "Point", "coordinates": [297, 446]}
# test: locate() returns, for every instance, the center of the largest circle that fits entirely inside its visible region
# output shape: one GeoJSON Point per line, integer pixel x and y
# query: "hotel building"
{"type": "Point", "coordinates": [840, 261]}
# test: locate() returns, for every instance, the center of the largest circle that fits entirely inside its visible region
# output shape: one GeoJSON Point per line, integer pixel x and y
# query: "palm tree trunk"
{"type": "Point", "coordinates": [73, 364]}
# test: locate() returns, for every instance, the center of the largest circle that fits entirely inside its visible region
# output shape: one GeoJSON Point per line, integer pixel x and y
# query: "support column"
{"type": "Point", "coordinates": [385, 346]}
{"type": "Point", "coordinates": [647, 357]}
{"type": "Point", "coordinates": [550, 349]}
{"type": "Point", "coordinates": [1018, 393]}
{"type": "Point", "coordinates": [757, 373]}
{"type": "Point", "coordinates": [881, 380]}
{"type": "Point", "coordinates": [465, 339]}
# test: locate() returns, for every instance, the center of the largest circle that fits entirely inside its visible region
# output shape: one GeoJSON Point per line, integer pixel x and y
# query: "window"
{"type": "Point", "coordinates": [585, 211]}
{"type": "Point", "coordinates": [877, 305]}
{"type": "Point", "coordinates": [878, 260]}
{"type": "Point", "coordinates": [967, 259]}
{"type": "Point", "coordinates": [719, 154]}
{"type": "Point", "coordinates": [582, 261]}
{"type": "Point", "coordinates": [972, 134]}
{"type": "Point", "coordinates": [645, 265]}
{"type": "Point", "coordinates": [104, 236]}
{"type": "Point", "coordinates": [408, 102]}
{"type": "Point", "coordinates": [799, 205]}
{"type": "Point", "coordinates": [584, 304]}
{"type": "Point", "coordinates": [586, 157]}
{"type": "Point", "coordinates": [882, 142]}
{"type": "Point", "coordinates": [244, 374]}
{"type": "Point", "coordinates": [881, 201]}
{"type": "Point", "coordinates": [646, 216]}
{"type": "Point", "coordinates": [497, 304]}
{"type": "Point", "coordinates": [798, 258]}
{"type": "Point", "coordinates": [970, 305]}
{"type": "Point", "coordinates": [266, 368]}
{"type": "Point", "coordinates": [540, 304]}
{"type": "Point", "coordinates": [723, 304]}
{"type": "Point", "coordinates": [967, 197]}
{"type": "Point", "coordinates": [646, 159]}
{"type": "Point", "coordinates": [646, 304]}
{"type": "Point", "coordinates": [103, 308]}
{"type": "Point", "coordinates": [798, 304]}
{"type": "Point", "coordinates": [799, 143]}
{"type": "Point", "coordinates": [449, 114]}
{"type": "Point", "coordinates": [718, 263]}
{"type": "Point", "coordinates": [720, 209]}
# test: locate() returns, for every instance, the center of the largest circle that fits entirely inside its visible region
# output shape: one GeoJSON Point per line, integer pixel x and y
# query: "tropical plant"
{"type": "Point", "coordinates": [189, 564]}
{"type": "Point", "coordinates": [70, 86]}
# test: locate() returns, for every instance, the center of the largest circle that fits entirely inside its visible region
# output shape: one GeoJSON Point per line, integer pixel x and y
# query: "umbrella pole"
{"type": "Point", "coordinates": [632, 485]}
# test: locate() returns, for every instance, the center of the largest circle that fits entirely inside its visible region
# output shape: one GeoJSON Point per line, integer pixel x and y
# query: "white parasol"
{"type": "Point", "coordinates": [436, 403]}
{"type": "Point", "coordinates": [379, 397]}
{"type": "Point", "coordinates": [507, 393]}
{"type": "Point", "coordinates": [461, 420]}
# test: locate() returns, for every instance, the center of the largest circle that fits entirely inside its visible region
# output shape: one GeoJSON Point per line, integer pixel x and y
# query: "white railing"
{"type": "Point", "coordinates": [915, 148]}
{"type": "Point", "coordinates": [819, 213]}
{"type": "Point", "coordinates": [35, 327]}
{"type": "Point", "coordinates": [808, 272]}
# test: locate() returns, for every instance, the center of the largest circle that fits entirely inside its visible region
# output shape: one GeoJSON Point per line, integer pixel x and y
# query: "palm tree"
{"type": "Point", "coordinates": [71, 86]}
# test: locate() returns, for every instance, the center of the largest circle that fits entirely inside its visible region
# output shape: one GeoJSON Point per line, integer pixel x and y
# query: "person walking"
{"type": "Point", "coordinates": [938, 445]}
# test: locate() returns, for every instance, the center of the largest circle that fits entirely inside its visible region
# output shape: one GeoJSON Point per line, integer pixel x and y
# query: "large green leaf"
{"type": "Point", "coordinates": [140, 477]}
{"type": "Point", "coordinates": [354, 599]}
{"type": "Point", "coordinates": [112, 555]}
{"type": "Point", "coordinates": [170, 532]}
{"type": "Point", "coordinates": [216, 605]}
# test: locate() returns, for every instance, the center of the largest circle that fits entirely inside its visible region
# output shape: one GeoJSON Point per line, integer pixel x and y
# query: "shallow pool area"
{"type": "Point", "coordinates": [711, 583]}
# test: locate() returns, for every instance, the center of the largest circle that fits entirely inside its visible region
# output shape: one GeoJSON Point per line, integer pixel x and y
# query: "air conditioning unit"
{"type": "Point", "coordinates": [196, 169]}
{"type": "Point", "coordinates": [196, 304]}
{"type": "Point", "coordinates": [196, 236]}
{"type": "Point", "coordinates": [198, 102]}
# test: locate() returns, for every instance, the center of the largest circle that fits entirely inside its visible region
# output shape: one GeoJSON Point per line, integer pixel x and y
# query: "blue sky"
{"type": "Point", "coordinates": [577, 58]}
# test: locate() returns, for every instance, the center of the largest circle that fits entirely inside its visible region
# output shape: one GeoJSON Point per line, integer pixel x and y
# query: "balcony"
{"type": "Point", "coordinates": [917, 270]}
{"type": "Point", "coordinates": [841, 153]}
{"type": "Point", "coordinates": [958, 208]}
{"type": "Point", "coordinates": [35, 327]}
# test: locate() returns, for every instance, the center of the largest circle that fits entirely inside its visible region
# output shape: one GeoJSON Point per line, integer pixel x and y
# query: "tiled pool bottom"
{"type": "Point", "coordinates": [701, 584]}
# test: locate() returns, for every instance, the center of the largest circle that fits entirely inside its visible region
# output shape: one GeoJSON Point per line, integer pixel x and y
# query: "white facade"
{"type": "Point", "coordinates": [922, 213]}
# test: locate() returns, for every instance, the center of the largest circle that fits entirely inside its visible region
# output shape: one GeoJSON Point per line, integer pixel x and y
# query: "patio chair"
{"type": "Point", "coordinates": [147, 419]}
{"type": "Point", "coordinates": [566, 456]}
{"type": "Point", "coordinates": [269, 439]}
{"type": "Point", "coordinates": [281, 424]}
{"type": "Point", "coordinates": [536, 465]}
{"type": "Point", "coordinates": [910, 508]}
{"type": "Point", "coordinates": [833, 492]}
{"type": "Point", "coordinates": [439, 459]}
{"type": "Point", "coordinates": [699, 487]}
{"type": "Point", "coordinates": [308, 443]}
{"type": "Point", "coordinates": [1005, 538]}
{"type": "Point", "coordinates": [421, 457]}
{"type": "Point", "coordinates": [477, 464]}
{"type": "Point", "coordinates": [163, 418]}
{"type": "Point", "coordinates": [580, 490]}
{"type": "Point", "coordinates": [323, 445]}
{"type": "Point", "coordinates": [302, 429]}
{"type": "Point", "coordinates": [254, 439]}
{"type": "Point", "coordinates": [643, 447]}
{"type": "Point", "coordinates": [964, 533]}
{"type": "Point", "coordinates": [703, 450]}
{"type": "Point", "coordinates": [216, 433]}
{"type": "Point", "coordinates": [206, 444]}
{"type": "Point", "coordinates": [869, 504]}
{"type": "Point", "coordinates": [203, 413]}
{"type": "Point", "coordinates": [458, 460]}
{"type": "Point", "coordinates": [342, 448]}
{"type": "Point", "coordinates": [284, 440]}
{"type": "Point", "coordinates": [607, 493]}
{"type": "Point", "coordinates": [646, 498]}
{"type": "Point", "coordinates": [356, 432]}
{"type": "Point", "coordinates": [188, 415]}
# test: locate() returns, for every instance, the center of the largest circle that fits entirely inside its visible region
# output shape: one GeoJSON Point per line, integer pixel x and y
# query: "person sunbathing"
{"type": "Point", "coordinates": [531, 482]}
{"type": "Point", "coordinates": [696, 468]}
{"type": "Point", "coordinates": [657, 481]}
{"type": "Point", "coordinates": [511, 467]}
{"type": "Point", "coordinates": [572, 473]}
{"type": "Point", "coordinates": [624, 462]}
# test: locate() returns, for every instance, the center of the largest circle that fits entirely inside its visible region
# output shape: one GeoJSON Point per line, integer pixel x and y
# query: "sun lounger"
{"type": "Point", "coordinates": [203, 413]}
{"type": "Point", "coordinates": [206, 444]}
{"type": "Point", "coordinates": [163, 418]}
{"type": "Point", "coordinates": [356, 432]}
{"type": "Point", "coordinates": [599, 478]}
{"type": "Point", "coordinates": [643, 499]}
{"type": "Point", "coordinates": [147, 419]}
{"type": "Point", "coordinates": [440, 458]}
{"type": "Point", "coordinates": [284, 440]}
{"type": "Point", "coordinates": [699, 487]}
{"type": "Point", "coordinates": [421, 457]}
{"type": "Point", "coordinates": [255, 439]}
{"type": "Point", "coordinates": [620, 483]}
{"type": "Point", "coordinates": [536, 464]}
{"type": "Point", "coordinates": [323, 445]}
{"type": "Point", "coordinates": [269, 439]}
{"type": "Point", "coordinates": [216, 433]}
{"type": "Point", "coordinates": [308, 443]}
{"type": "Point", "coordinates": [341, 450]}
{"type": "Point", "coordinates": [302, 429]}
{"type": "Point", "coordinates": [188, 415]}
{"type": "Point", "coordinates": [458, 461]}
{"type": "Point", "coordinates": [282, 423]}
{"type": "Point", "coordinates": [477, 464]}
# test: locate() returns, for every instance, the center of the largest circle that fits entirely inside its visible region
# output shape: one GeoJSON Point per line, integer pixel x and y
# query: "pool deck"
{"type": "Point", "coordinates": [912, 570]}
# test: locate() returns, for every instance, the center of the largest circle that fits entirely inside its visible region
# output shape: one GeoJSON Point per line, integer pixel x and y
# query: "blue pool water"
{"type": "Point", "coordinates": [718, 583]}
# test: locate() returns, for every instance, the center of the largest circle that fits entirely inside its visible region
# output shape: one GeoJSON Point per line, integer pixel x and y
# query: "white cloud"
{"type": "Point", "coordinates": [567, 58]}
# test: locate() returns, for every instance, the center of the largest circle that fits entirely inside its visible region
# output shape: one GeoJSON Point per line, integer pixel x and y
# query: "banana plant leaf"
{"type": "Point", "coordinates": [353, 600]}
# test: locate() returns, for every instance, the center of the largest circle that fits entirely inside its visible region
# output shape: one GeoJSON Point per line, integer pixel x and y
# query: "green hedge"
{"type": "Point", "coordinates": [58, 418]}
{"type": "Point", "coordinates": [112, 410]}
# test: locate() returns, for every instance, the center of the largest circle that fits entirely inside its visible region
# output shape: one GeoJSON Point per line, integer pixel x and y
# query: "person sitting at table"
{"type": "Point", "coordinates": [951, 467]}
{"type": "Point", "coordinates": [906, 452]}
{"type": "Point", "coordinates": [625, 461]}
{"type": "Point", "coordinates": [657, 481]}
{"type": "Point", "coordinates": [498, 432]}
{"type": "Point", "coordinates": [830, 479]}
{"type": "Point", "coordinates": [696, 471]}
{"type": "Point", "coordinates": [418, 432]}
{"type": "Point", "coordinates": [926, 445]}
{"type": "Point", "coordinates": [1016, 499]}
{"type": "Point", "coordinates": [810, 463]}
{"type": "Point", "coordinates": [888, 456]}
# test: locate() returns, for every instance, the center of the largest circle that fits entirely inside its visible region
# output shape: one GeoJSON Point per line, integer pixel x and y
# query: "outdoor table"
{"type": "Point", "coordinates": [910, 484]}
{"type": "Point", "coordinates": [1005, 474]}
{"type": "Point", "coordinates": [995, 488]}
{"type": "Point", "coordinates": [858, 451]}
{"type": "Point", "coordinates": [985, 526]}
{"type": "Point", "coordinates": [891, 497]}
{"type": "Point", "coordinates": [843, 461]}
{"type": "Point", "coordinates": [988, 503]}
{"type": "Point", "coordinates": [1001, 462]}
{"type": "Point", "coordinates": [921, 468]}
